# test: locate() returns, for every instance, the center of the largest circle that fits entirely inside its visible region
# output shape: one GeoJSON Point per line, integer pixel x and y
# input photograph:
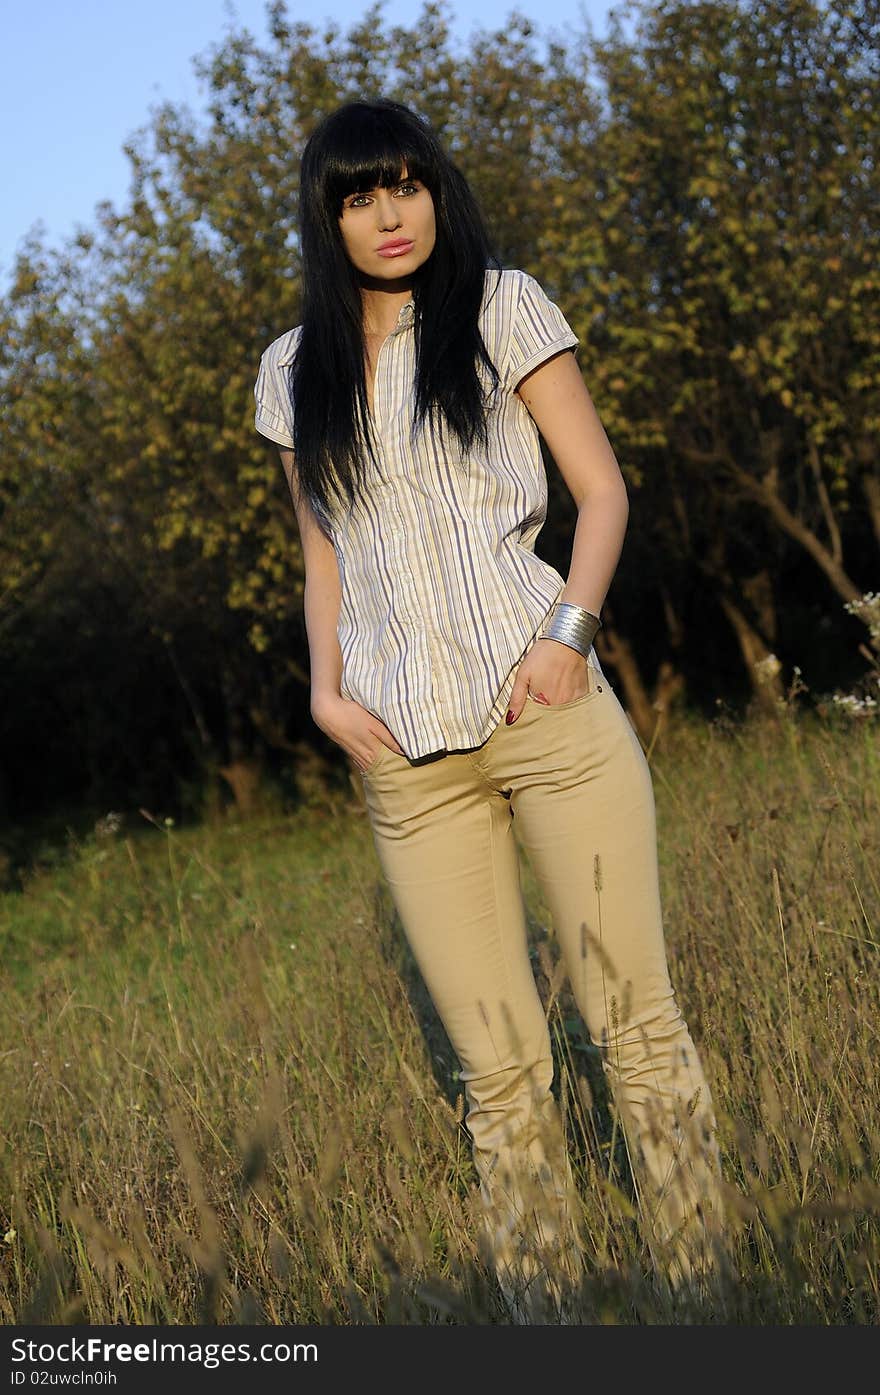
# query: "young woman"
{"type": "Point", "coordinates": [457, 671]}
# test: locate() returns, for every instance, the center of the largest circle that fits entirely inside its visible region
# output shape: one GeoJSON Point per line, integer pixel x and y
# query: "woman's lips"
{"type": "Point", "coordinates": [395, 249]}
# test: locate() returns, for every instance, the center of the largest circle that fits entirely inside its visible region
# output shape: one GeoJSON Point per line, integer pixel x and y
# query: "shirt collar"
{"type": "Point", "coordinates": [405, 318]}
{"type": "Point", "coordinates": [404, 321]}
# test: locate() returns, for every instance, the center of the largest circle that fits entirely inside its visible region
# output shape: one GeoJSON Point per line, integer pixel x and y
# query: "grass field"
{"type": "Point", "coordinates": [226, 1097]}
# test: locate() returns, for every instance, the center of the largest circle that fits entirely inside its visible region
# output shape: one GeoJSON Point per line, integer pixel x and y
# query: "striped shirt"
{"type": "Point", "coordinates": [442, 592]}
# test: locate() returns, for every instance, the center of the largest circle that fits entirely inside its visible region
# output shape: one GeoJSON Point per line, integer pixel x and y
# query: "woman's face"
{"type": "Point", "coordinates": [389, 233]}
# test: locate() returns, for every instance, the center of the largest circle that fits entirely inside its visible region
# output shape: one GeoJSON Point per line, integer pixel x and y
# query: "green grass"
{"type": "Point", "coordinates": [227, 1097]}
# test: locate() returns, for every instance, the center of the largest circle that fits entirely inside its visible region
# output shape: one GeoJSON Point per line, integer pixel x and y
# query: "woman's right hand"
{"type": "Point", "coordinates": [352, 727]}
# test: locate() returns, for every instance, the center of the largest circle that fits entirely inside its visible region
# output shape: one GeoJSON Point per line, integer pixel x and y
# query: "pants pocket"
{"type": "Point", "coordinates": [377, 758]}
{"type": "Point", "coordinates": [595, 683]}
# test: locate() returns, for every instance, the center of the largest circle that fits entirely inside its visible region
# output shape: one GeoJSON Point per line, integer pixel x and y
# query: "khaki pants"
{"type": "Point", "coordinates": [571, 784]}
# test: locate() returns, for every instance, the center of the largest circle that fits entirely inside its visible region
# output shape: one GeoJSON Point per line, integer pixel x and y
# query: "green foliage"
{"type": "Point", "coordinates": [701, 198]}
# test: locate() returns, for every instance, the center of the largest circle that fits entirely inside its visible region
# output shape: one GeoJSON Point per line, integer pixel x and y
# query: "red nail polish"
{"type": "Point", "coordinates": [509, 718]}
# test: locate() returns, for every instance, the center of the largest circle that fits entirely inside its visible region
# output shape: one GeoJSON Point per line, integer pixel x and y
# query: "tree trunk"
{"type": "Point", "coordinates": [825, 502]}
{"type": "Point", "coordinates": [244, 770]}
{"type": "Point", "coordinates": [766, 495]}
{"type": "Point", "coordinates": [244, 777]}
{"type": "Point", "coordinates": [765, 492]}
{"type": "Point", "coordinates": [871, 491]}
{"type": "Point", "coordinates": [613, 649]}
{"type": "Point", "coordinates": [764, 670]}
{"type": "Point", "coordinates": [758, 591]}
{"type": "Point", "coordinates": [670, 677]}
{"type": "Point", "coordinates": [669, 686]}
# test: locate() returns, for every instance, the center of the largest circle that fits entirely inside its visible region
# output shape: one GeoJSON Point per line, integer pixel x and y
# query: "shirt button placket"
{"type": "Point", "coordinates": [413, 614]}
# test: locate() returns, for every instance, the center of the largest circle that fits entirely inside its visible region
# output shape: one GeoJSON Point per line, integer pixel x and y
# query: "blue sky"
{"type": "Point", "coordinates": [78, 77]}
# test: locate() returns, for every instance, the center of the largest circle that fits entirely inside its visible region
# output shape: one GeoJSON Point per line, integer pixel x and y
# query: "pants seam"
{"type": "Point", "coordinates": [477, 765]}
{"type": "Point", "coordinates": [496, 900]}
{"type": "Point", "coordinates": [499, 936]}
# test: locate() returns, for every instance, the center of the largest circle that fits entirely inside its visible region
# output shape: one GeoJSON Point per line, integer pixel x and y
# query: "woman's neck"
{"type": "Point", "coordinates": [382, 302]}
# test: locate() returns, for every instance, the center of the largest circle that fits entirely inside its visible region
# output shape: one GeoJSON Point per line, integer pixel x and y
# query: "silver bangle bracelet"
{"type": "Point", "coordinates": [572, 625]}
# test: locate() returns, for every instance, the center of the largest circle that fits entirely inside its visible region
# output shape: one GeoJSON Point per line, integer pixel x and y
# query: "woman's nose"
{"type": "Point", "coordinates": [387, 213]}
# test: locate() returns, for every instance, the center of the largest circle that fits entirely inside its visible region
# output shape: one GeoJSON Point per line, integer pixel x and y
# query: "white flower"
{"type": "Point", "coordinates": [855, 706]}
{"type": "Point", "coordinates": [867, 608]}
{"type": "Point", "coordinates": [767, 669]}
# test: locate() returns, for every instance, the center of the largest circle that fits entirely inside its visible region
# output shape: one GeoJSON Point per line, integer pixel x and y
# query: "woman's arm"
{"type": "Point", "coordinates": [557, 399]}
{"type": "Point", "coordinates": [322, 597]}
{"type": "Point", "coordinates": [563, 411]}
{"type": "Point", "coordinates": [347, 723]}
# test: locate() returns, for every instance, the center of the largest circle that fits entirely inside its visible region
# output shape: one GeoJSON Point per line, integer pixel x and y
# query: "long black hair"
{"type": "Point", "coordinates": [364, 145]}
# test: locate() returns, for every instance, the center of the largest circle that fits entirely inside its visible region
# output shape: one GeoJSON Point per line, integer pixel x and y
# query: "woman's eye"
{"type": "Point", "coordinates": [362, 200]}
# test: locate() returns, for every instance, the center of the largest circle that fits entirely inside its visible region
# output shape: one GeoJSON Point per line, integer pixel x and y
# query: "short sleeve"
{"type": "Point", "coordinates": [538, 331]}
{"type": "Point", "coordinates": [274, 414]}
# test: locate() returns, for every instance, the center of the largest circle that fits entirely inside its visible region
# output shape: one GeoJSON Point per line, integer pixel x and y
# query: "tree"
{"type": "Point", "coordinates": [700, 199]}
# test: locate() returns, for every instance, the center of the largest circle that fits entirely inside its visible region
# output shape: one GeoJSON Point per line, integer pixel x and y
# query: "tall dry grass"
{"type": "Point", "coordinates": [226, 1097]}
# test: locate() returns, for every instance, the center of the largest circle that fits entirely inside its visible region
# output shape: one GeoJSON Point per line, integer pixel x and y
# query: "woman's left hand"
{"type": "Point", "coordinates": [551, 672]}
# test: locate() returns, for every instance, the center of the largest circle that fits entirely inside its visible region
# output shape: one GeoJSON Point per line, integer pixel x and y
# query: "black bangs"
{"type": "Point", "coordinates": [384, 173]}
{"type": "Point", "coordinates": [368, 149]}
